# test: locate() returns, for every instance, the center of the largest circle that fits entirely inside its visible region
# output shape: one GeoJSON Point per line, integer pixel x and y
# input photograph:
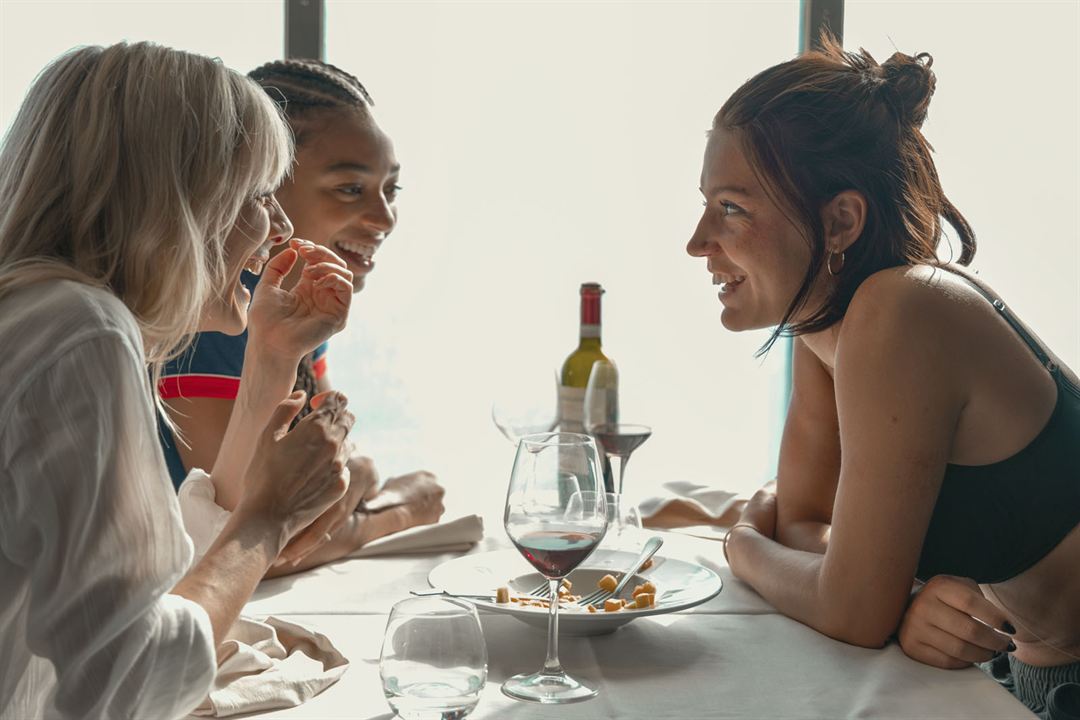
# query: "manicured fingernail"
{"type": "Point", "coordinates": [1007, 627]}
{"type": "Point", "coordinates": [1012, 646]}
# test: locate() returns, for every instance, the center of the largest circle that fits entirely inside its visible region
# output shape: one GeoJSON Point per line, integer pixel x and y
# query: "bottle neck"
{"type": "Point", "coordinates": [590, 320]}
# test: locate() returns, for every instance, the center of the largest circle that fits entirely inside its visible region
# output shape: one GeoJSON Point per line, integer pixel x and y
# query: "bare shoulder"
{"type": "Point", "coordinates": [905, 302]}
{"type": "Point", "coordinates": [907, 325]}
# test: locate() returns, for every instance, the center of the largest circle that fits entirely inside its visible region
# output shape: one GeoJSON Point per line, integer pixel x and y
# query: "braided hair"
{"type": "Point", "coordinates": [306, 88]}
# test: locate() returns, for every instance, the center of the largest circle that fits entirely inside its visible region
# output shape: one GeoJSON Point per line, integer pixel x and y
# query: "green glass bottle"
{"type": "Point", "coordinates": [578, 365]}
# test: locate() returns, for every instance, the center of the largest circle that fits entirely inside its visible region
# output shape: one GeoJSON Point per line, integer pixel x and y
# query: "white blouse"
{"type": "Point", "coordinates": [91, 541]}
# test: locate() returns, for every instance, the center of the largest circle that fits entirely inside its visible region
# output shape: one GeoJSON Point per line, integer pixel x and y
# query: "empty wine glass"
{"type": "Point", "coordinates": [434, 661]}
{"type": "Point", "coordinates": [555, 516]}
{"type": "Point", "coordinates": [618, 441]}
{"type": "Point", "coordinates": [526, 404]}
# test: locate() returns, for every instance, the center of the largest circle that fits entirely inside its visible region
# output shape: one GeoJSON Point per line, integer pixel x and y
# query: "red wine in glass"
{"type": "Point", "coordinates": [621, 439]}
{"type": "Point", "coordinates": [555, 553]}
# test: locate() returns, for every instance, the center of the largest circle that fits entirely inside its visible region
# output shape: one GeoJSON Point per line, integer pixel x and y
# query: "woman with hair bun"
{"type": "Point", "coordinates": [340, 195]}
{"type": "Point", "coordinates": [930, 434]}
{"type": "Point", "coordinates": [136, 184]}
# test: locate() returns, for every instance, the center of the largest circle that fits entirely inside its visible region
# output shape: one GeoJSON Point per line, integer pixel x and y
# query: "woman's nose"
{"type": "Point", "coordinates": [281, 227]}
{"type": "Point", "coordinates": [699, 245]}
{"type": "Point", "coordinates": [378, 215]}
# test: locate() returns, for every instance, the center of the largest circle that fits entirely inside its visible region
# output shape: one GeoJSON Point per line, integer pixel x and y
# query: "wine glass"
{"type": "Point", "coordinates": [618, 441]}
{"type": "Point", "coordinates": [434, 661]}
{"type": "Point", "coordinates": [555, 516]}
{"type": "Point", "coordinates": [526, 404]}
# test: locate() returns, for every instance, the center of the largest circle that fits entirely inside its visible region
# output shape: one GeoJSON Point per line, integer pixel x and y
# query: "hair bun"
{"type": "Point", "coordinates": [911, 83]}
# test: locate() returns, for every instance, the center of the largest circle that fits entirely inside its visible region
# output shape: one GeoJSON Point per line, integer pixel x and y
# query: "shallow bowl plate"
{"type": "Point", "coordinates": [679, 585]}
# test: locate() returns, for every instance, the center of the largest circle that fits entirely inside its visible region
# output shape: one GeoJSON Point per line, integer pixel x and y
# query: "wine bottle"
{"type": "Point", "coordinates": [578, 365]}
{"type": "Point", "coordinates": [577, 368]}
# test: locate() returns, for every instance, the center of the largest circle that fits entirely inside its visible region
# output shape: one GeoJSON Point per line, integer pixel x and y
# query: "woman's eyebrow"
{"type": "Point", "coordinates": [728, 189]}
{"type": "Point", "coordinates": [356, 167]}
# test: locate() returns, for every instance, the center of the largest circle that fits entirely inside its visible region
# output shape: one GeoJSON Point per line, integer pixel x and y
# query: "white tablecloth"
{"type": "Point", "coordinates": [733, 657]}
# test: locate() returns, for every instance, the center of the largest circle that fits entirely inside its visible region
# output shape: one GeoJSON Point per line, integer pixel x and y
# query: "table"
{"type": "Point", "coordinates": [733, 657]}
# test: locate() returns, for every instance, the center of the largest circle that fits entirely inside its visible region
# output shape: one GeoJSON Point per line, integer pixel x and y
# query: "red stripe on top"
{"type": "Point", "coordinates": [319, 367]}
{"type": "Point", "coordinates": [199, 386]}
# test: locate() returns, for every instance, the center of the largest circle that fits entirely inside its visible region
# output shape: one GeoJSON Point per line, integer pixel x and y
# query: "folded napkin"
{"type": "Point", "coordinates": [447, 536]}
{"type": "Point", "coordinates": [692, 506]}
{"type": "Point", "coordinates": [204, 519]}
{"type": "Point", "coordinates": [269, 665]}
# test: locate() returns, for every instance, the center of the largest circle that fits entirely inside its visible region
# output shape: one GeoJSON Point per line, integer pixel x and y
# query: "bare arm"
{"type": "Point", "coordinates": [899, 398]}
{"type": "Point", "coordinates": [295, 477]}
{"type": "Point", "coordinates": [809, 466]}
{"type": "Point", "coordinates": [283, 326]}
{"type": "Point", "coordinates": [223, 581]}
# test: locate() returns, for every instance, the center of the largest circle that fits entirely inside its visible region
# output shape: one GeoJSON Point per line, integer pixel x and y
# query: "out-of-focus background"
{"type": "Point", "coordinates": [547, 144]}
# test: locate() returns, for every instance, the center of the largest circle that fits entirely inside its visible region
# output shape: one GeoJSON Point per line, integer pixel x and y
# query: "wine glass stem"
{"type": "Point", "coordinates": [618, 462]}
{"type": "Point", "coordinates": [551, 664]}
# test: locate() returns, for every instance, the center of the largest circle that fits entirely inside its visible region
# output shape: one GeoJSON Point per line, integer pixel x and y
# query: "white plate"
{"type": "Point", "coordinates": [679, 585]}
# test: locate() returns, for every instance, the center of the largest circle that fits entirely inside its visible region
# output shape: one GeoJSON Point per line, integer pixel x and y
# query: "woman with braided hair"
{"type": "Point", "coordinates": [339, 196]}
{"type": "Point", "coordinates": [930, 434]}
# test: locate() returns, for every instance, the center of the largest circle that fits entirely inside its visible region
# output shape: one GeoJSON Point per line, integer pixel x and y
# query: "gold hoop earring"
{"type": "Point", "coordinates": [829, 263]}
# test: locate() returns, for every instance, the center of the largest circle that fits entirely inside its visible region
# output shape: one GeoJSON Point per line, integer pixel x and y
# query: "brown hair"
{"type": "Point", "coordinates": [830, 121]}
{"type": "Point", "coordinates": [306, 87]}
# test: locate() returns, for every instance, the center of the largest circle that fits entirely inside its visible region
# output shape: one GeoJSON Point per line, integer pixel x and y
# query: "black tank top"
{"type": "Point", "coordinates": [993, 522]}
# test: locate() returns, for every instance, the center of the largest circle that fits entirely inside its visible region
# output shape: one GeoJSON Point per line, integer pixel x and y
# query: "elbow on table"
{"type": "Point", "coordinates": [858, 626]}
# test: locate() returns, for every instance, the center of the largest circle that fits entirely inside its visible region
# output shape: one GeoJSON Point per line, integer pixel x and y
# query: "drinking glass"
{"type": "Point", "coordinates": [555, 516]}
{"type": "Point", "coordinates": [526, 404]}
{"type": "Point", "coordinates": [434, 660]}
{"type": "Point", "coordinates": [618, 441]}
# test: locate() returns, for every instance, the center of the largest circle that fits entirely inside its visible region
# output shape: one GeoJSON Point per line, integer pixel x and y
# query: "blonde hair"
{"type": "Point", "coordinates": [125, 168]}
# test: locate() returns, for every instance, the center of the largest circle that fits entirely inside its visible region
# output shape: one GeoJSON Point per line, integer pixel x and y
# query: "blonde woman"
{"type": "Point", "coordinates": [135, 186]}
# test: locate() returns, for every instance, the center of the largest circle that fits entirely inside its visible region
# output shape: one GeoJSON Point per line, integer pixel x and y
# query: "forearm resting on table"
{"type": "Point", "coordinates": [358, 530]}
{"type": "Point", "coordinates": [265, 382]}
{"type": "Point", "coordinates": [223, 580]}
{"type": "Point", "coordinates": [807, 535]}
{"type": "Point", "coordinates": [794, 582]}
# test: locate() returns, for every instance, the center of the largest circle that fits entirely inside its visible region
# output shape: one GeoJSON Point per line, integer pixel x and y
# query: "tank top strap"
{"type": "Point", "coordinates": [1015, 324]}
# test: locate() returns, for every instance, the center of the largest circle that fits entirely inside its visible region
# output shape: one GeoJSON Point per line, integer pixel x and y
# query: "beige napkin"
{"type": "Point", "coordinates": [454, 535]}
{"type": "Point", "coordinates": [204, 519]}
{"type": "Point", "coordinates": [700, 509]}
{"type": "Point", "coordinates": [270, 665]}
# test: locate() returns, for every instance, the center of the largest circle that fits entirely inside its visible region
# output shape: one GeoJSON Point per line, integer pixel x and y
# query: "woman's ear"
{"type": "Point", "coordinates": [843, 218]}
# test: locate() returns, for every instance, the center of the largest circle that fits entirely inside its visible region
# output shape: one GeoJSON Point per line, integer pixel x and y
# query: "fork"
{"type": "Point", "coordinates": [599, 596]}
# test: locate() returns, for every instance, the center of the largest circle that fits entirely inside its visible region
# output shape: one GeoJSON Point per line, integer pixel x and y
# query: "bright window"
{"type": "Point", "coordinates": [543, 145]}
{"type": "Point", "coordinates": [34, 32]}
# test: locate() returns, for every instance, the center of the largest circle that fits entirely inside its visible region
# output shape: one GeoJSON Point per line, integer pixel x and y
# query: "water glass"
{"type": "Point", "coordinates": [434, 660]}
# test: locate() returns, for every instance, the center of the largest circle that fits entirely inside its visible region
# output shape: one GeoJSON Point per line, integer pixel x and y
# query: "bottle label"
{"type": "Point", "coordinates": [571, 409]}
{"type": "Point", "coordinates": [590, 331]}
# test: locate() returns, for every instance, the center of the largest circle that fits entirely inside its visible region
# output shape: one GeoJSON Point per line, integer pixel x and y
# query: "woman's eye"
{"type": "Point", "coordinates": [730, 208]}
{"type": "Point", "coordinates": [351, 190]}
{"type": "Point", "coordinates": [392, 191]}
